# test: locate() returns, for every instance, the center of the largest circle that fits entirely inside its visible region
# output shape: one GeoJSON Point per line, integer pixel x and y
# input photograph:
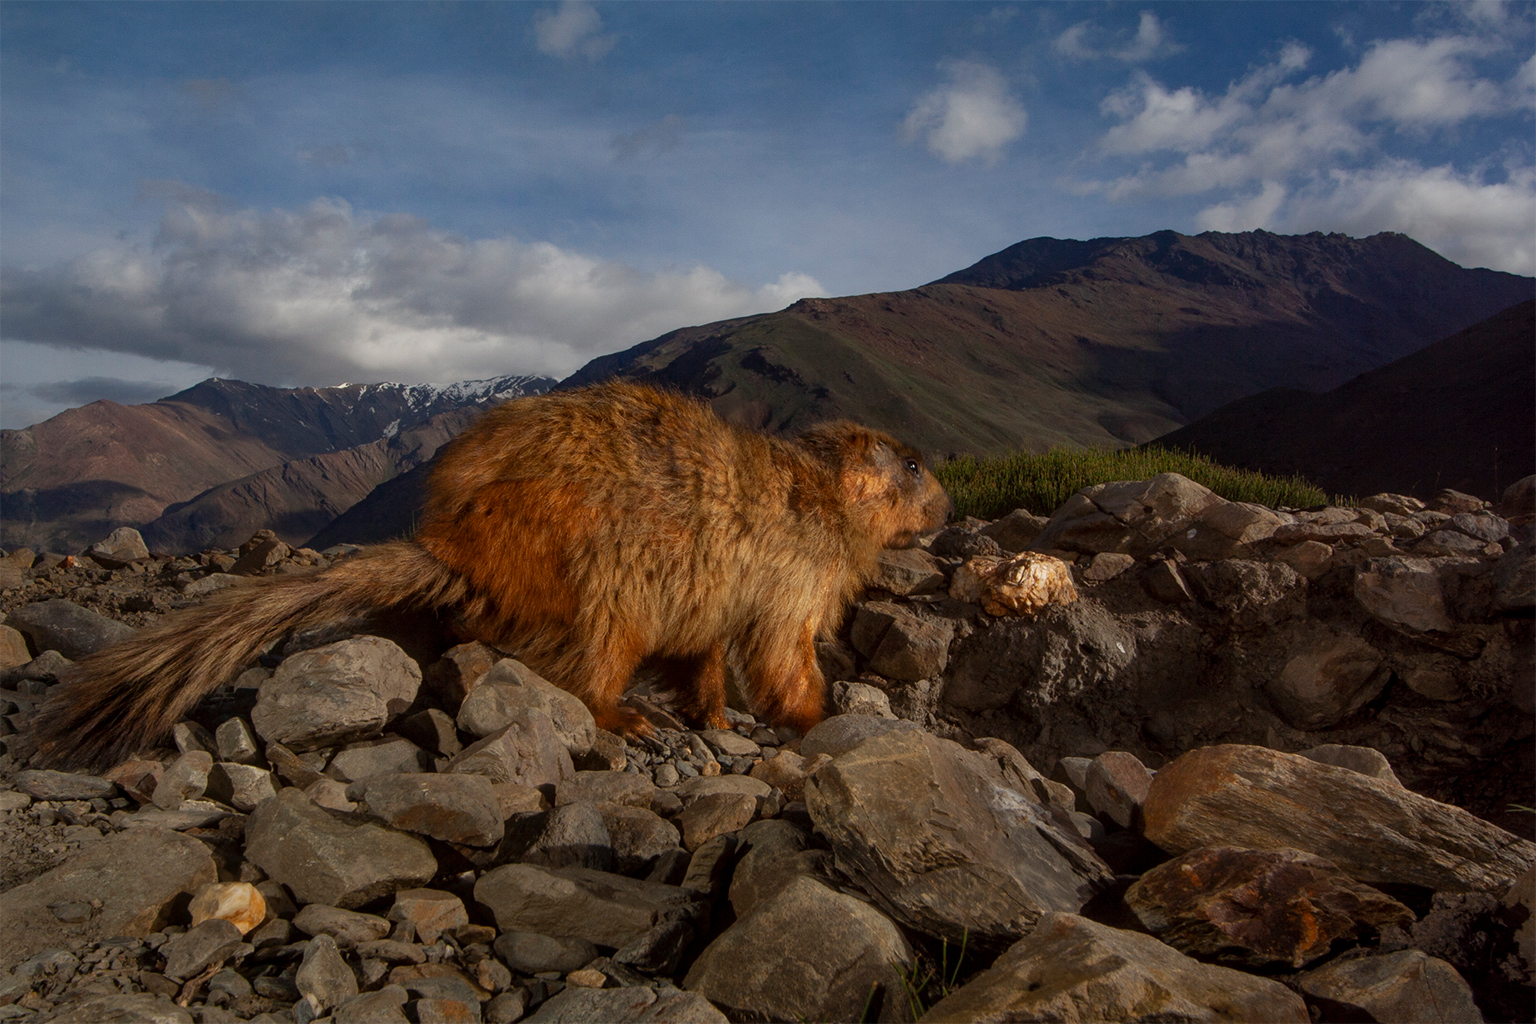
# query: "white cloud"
{"type": "Point", "coordinates": [1294, 153]}
{"type": "Point", "coordinates": [972, 117]}
{"type": "Point", "coordinates": [324, 294]}
{"type": "Point", "coordinates": [574, 28]}
{"type": "Point", "coordinates": [1248, 215]}
{"type": "Point", "coordinates": [1149, 42]}
{"type": "Point", "coordinates": [1460, 216]}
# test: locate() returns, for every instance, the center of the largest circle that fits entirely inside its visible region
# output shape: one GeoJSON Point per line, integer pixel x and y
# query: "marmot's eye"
{"type": "Point", "coordinates": [913, 467]}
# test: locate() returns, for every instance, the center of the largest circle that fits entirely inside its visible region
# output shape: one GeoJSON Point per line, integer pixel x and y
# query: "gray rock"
{"type": "Point", "coordinates": [726, 743]}
{"type": "Point", "coordinates": [190, 736]}
{"type": "Point", "coordinates": [1131, 517]}
{"type": "Point", "coordinates": [638, 836]}
{"type": "Point", "coordinates": [63, 626]}
{"type": "Point", "coordinates": [706, 785]}
{"type": "Point", "coordinates": [1017, 530]}
{"type": "Point", "coordinates": [381, 1007]}
{"type": "Point", "coordinates": [716, 814]}
{"type": "Point", "coordinates": [430, 912]}
{"type": "Point", "coordinates": [774, 854]}
{"type": "Point", "coordinates": [1450, 543]}
{"type": "Point", "coordinates": [906, 572]}
{"type": "Point", "coordinates": [507, 1007]}
{"type": "Point", "coordinates": [198, 947]}
{"type": "Point", "coordinates": [116, 1008]}
{"type": "Point", "coordinates": [379, 757]}
{"type": "Point", "coordinates": [509, 689]}
{"type": "Point", "coordinates": [639, 1005]}
{"type": "Point", "coordinates": [849, 698]}
{"type": "Point", "coordinates": [950, 842]}
{"type": "Point", "coordinates": [324, 977]}
{"type": "Point", "coordinates": [1515, 581]}
{"type": "Point", "coordinates": [834, 735]}
{"type": "Point", "coordinates": [1328, 676]}
{"type": "Point", "coordinates": [1071, 968]}
{"type": "Point", "coordinates": [324, 860]}
{"type": "Point", "coordinates": [805, 953]}
{"type": "Point", "coordinates": [604, 909]}
{"type": "Point", "coordinates": [347, 927]}
{"type": "Point", "coordinates": [342, 691]}
{"type": "Point", "coordinates": [627, 788]}
{"type": "Point", "coordinates": [1116, 785]}
{"type": "Point", "coordinates": [1364, 760]}
{"type": "Point", "coordinates": [186, 778]}
{"type": "Point", "coordinates": [122, 545]}
{"type": "Point", "coordinates": [900, 644]}
{"type": "Point", "coordinates": [141, 877]}
{"type": "Point", "coordinates": [234, 741]}
{"type": "Point", "coordinates": [527, 751]}
{"type": "Point", "coordinates": [573, 835]}
{"type": "Point", "coordinates": [1404, 593]}
{"type": "Point", "coordinates": [242, 786]}
{"type": "Point", "coordinates": [455, 808]}
{"type": "Point", "coordinates": [1106, 565]}
{"type": "Point", "coordinates": [431, 729]}
{"type": "Point", "coordinates": [45, 784]}
{"type": "Point", "coordinates": [531, 953]}
{"type": "Point", "coordinates": [1402, 986]}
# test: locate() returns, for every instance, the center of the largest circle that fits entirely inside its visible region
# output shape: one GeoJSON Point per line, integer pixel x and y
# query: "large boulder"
{"type": "Point", "coordinates": [1134, 517]}
{"type": "Point", "coordinates": [342, 691]}
{"type": "Point", "coordinates": [63, 626]}
{"type": "Point", "coordinates": [324, 859]}
{"type": "Point", "coordinates": [1072, 969]}
{"type": "Point", "coordinates": [806, 953]}
{"type": "Point", "coordinates": [511, 688]}
{"type": "Point", "coordinates": [1375, 831]}
{"type": "Point", "coordinates": [949, 841]}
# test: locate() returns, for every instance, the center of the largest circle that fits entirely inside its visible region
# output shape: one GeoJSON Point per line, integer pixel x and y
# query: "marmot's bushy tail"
{"type": "Point", "coordinates": [128, 696]}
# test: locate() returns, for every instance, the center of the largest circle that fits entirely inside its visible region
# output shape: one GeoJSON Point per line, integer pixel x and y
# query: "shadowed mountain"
{"type": "Point", "coordinates": [74, 478]}
{"type": "Point", "coordinates": [1459, 413]}
{"type": "Point", "coordinates": [1111, 341]}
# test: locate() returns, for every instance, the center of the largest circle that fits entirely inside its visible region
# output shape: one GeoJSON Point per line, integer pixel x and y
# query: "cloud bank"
{"type": "Point", "coordinates": [574, 28]}
{"type": "Point", "coordinates": [1297, 153]}
{"type": "Point", "coordinates": [325, 294]}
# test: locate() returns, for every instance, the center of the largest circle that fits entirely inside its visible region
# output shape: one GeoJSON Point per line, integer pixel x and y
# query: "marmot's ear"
{"type": "Point", "coordinates": [839, 442]}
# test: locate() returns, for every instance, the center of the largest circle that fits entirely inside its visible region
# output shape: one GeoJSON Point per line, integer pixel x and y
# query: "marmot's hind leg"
{"type": "Point", "coordinates": [698, 684]}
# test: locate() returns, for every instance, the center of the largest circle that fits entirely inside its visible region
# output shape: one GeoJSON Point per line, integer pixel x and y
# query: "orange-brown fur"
{"type": "Point", "coordinates": [589, 530]}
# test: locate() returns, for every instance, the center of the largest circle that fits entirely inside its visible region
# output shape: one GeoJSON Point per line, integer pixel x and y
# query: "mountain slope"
{"type": "Point", "coordinates": [72, 479]}
{"type": "Point", "coordinates": [1459, 413]}
{"type": "Point", "coordinates": [1104, 342]}
{"type": "Point", "coordinates": [301, 496]}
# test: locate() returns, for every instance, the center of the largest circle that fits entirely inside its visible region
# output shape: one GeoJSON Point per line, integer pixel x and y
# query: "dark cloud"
{"type": "Point", "coordinates": [92, 389]}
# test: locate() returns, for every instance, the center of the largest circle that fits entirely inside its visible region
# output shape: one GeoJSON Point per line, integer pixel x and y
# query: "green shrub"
{"type": "Point", "coordinates": [988, 488]}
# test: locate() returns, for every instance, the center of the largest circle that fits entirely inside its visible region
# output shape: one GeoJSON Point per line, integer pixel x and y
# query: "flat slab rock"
{"type": "Point", "coordinates": [63, 626]}
{"type": "Point", "coordinates": [640, 1005]}
{"type": "Point", "coordinates": [602, 908]}
{"type": "Point", "coordinates": [342, 691]}
{"type": "Point", "coordinates": [1376, 832]}
{"type": "Point", "coordinates": [1073, 969]}
{"type": "Point", "coordinates": [1403, 986]}
{"type": "Point", "coordinates": [326, 860]}
{"type": "Point", "coordinates": [139, 876]}
{"type": "Point", "coordinates": [948, 841]}
{"type": "Point", "coordinates": [1258, 907]}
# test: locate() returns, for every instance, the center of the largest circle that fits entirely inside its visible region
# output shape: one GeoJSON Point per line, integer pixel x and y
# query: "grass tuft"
{"type": "Point", "coordinates": [989, 488]}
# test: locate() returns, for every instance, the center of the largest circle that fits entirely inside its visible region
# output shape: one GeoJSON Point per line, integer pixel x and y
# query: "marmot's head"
{"type": "Point", "coordinates": [886, 486]}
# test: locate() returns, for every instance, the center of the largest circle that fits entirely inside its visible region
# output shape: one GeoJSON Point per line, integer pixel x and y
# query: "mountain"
{"type": "Point", "coordinates": [72, 479]}
{"type": "Point", "coordinates": [1110, 341]}
{"type": "Point", "coordinates": [1459, 413]}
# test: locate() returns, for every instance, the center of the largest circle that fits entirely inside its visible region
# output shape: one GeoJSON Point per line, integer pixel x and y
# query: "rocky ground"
{"type": "Point", "coordinates": [1162, 756]}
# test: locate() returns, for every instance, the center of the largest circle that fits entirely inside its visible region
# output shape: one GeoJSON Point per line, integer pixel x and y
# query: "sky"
{"type": "Point", "coordinates": [314, 193]}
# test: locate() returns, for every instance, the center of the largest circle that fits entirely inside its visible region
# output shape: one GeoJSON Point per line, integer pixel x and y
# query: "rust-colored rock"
{"type": "Point", "coordinates": [1374, 831]}
{"type": "Point", "coordinates": [1258, 907]}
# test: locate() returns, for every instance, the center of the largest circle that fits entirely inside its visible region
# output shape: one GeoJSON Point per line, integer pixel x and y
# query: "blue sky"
{"type": "Point", "coordinates": [307, 193]}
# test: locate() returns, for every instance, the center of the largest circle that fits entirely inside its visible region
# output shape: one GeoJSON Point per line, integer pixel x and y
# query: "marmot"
{"type": "Point", "coordinates": [588, 530]}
